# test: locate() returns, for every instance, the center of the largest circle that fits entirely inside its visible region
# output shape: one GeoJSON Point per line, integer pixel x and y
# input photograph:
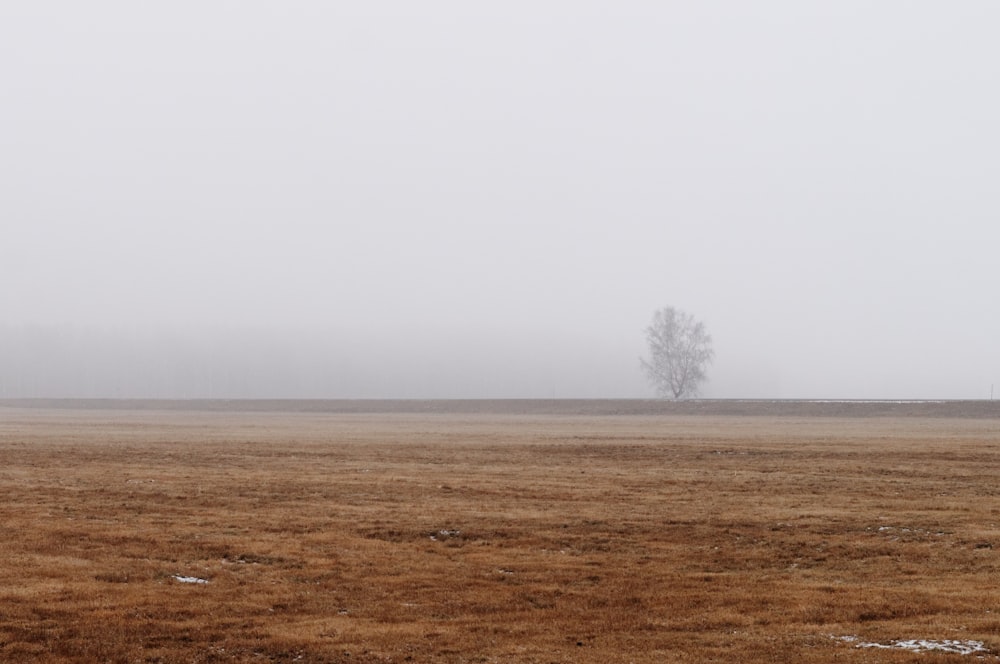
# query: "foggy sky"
{"type": "Point", "coordinates": [454, 199]}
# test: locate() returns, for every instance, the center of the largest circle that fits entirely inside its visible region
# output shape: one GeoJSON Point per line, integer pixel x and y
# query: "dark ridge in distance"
{"type": "Point", "coordinates": [985, 409]}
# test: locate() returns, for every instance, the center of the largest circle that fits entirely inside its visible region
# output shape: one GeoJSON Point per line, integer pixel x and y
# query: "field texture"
{"type": "Point", "coordinates": [499, 534]}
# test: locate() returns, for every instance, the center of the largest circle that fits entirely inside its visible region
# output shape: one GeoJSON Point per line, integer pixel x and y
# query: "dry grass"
{"type": "Point", "coordinates": [493, 538]}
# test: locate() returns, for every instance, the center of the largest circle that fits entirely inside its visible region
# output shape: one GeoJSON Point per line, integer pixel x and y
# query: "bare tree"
{"type": "Point", "coordinates": [680, 350]}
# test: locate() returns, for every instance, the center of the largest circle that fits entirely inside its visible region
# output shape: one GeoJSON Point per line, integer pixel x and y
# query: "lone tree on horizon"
{"type": "Point", "coordinates": [680, 350]}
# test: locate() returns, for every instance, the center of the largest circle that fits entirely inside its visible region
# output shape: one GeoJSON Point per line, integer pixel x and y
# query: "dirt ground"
{"type": "Point", "coordinates": [592, 531]}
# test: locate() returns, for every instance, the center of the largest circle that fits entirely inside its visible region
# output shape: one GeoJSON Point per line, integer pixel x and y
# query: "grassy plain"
{"type": "Point", "coordinates": [472, 537]}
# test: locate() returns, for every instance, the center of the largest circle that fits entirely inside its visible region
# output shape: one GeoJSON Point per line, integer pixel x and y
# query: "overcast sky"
{"type": "Point", "coordinates": [465, 199]}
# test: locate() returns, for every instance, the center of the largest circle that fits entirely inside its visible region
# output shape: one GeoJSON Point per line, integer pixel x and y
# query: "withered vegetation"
{"type": "Point", "coordinates": [493, 538]}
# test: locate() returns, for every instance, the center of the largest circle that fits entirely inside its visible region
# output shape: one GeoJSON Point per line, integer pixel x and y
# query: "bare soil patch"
{"type": "Point", "coordinates": [517, 535]}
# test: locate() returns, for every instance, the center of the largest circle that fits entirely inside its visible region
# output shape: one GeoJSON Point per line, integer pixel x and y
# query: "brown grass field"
{"type": "Point", "coordinates": [496, 535]}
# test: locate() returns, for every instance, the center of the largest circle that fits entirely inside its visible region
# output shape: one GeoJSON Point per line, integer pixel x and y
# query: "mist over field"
{"type": "Point", "coordinates": [258, 364]}
{"type": "Point", "coordinates": [445, 199]}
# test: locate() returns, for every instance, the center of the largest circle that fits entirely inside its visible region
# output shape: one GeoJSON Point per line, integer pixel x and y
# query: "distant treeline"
{"type": "Point", "coordinates": [618, 408]}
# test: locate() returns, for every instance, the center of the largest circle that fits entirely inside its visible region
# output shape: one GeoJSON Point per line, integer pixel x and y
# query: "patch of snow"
{"type": "Point", "coordinates": [952, 646]}
{"type": "Point", "coordinates": [871, 401]}
{"type": "Point", "coordinates": [445, 534]}
{"type": "Point", "coordinates": [189, 579]}
{"type": "Point", "coordinates": [902, 529]}
{"type": "Point", "coordinates": [947, 645]}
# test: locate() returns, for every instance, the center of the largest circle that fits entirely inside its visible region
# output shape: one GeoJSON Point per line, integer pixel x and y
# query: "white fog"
{"type": "Point", "coordinates": [456, 200]}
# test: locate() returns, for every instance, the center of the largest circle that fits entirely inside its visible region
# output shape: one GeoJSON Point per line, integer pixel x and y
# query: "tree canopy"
{"type": "Point", "coordinates": [680, 350]}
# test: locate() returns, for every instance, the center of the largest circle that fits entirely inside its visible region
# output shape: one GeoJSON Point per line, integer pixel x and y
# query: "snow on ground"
{"type": "Point", "coordinates": [922, 645]}
{"type": "Point", "coordinates": [870, 401]}
{"type": "Point", "coordinates": [189, 579]}
{"type": "Point", "coordinates": [445, 534]}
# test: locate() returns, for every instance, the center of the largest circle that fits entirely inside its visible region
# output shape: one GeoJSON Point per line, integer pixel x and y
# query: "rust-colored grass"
{"type": "Point", "coordinates": [493, 538]}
